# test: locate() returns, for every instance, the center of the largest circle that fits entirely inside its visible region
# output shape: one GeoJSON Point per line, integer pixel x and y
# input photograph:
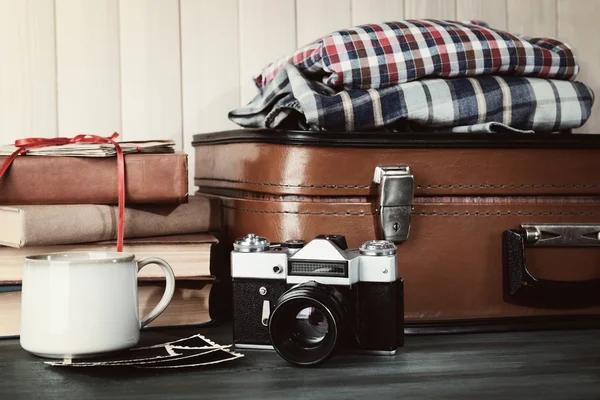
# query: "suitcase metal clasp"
{"type": "Point", "coordinates": [396, 193]}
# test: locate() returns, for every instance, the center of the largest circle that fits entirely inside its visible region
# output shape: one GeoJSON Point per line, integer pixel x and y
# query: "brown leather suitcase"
{"type": "Point", "coordinates": [495, 232]}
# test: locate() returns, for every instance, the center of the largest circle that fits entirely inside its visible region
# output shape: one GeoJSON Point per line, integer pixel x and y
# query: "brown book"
{"type": "Point", "coordinates": [26, 226]}
{"type": "Point", "coordinates": [189, 306]}
{"type": "Point", "coordinates": [150, 178]}
{"type": "Point", "coordinates": [188, 256]}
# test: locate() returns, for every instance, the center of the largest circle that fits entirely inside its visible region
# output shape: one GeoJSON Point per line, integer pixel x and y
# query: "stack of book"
{"type": "Point", "coordinates": [68, 202]}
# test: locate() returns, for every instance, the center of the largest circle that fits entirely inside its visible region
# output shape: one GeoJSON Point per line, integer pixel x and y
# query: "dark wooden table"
{"type": "Point", "coordinates": [528, 365]}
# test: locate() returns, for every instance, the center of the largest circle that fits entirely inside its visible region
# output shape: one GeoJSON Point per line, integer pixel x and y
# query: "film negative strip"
{"type": "Point", "coordinates": [193, 351]}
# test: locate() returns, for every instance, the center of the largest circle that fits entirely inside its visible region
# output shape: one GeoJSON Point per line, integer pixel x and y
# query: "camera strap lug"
{"type": "Point", "coordinates": [396, 193]}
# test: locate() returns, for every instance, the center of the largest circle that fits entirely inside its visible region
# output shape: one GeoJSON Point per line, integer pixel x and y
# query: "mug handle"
{"type": "Point", "coordinates": [169, 288]}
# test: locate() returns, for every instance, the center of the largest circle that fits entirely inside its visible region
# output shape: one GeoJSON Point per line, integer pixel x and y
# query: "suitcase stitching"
{"type": "Point", "coordinates": [459, 186]}
{"type": "Point", "coordinates": [362, 214]}
{"type": "Point", "coordinates": [500, 186]}
{"type": "Point", "coordinates": [422, 214]}
{"type": "Point", "coordinates": [501, 214]}
{"type": "Point", "coordinates": [326, 186]}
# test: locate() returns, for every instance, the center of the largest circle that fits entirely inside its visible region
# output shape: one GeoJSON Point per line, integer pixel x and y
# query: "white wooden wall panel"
{"type": "Point", "coordinates": [494, 12]}
{"type": "Point", "coordinates": [375, 11]}
{"type": "Point", "coordinates": [267, 31]}
{"type": "Point", "coordinates": [87, 55]}
{"type": "Point", "coordinates": [27, 70]}
{"type": "Point", "coordinates": [316, 18]}
{"type": "Point", "coordinates": [533, 17]}
{"type": "Point", "coordinates": [433, 9]}
{"type": "Point", "coordinates": [210, 68]}
{"type": "Point", "coordinates": [174, 68]}
{"type": "Point", "coordinates": [579, 27]}
{"type": "Point", "coordinates": [150, 70]}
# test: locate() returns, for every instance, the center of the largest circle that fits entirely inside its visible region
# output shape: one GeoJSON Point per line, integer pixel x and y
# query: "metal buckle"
{"type": "Point", "coordinates": [396, 192]}
{"type": "Point", "coordinates": [562, 235]}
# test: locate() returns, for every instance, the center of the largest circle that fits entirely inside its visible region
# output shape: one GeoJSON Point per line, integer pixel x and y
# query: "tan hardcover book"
{"type": "Point", "coordinates": [29, 225]}
{"type": "Point", "coordinates": [189, 306]}
{"type": "Point", "coordinates": [150, 178]}
{"type": "Point", "coordinates": [188, 255]}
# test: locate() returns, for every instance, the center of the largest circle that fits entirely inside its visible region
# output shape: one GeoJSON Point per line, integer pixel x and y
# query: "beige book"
{"type": "Point", "coordinates": [188, 255]}
{"type": "Point", "coordinates": [189, 306]}
{"type": "Point", "coordinates": [23, 226]}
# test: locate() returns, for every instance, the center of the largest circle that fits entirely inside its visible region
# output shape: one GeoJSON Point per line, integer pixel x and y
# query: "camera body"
{"type": "Point", "coordinates": [307, 300]}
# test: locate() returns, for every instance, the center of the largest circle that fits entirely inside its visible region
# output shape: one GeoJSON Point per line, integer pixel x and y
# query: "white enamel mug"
{"type": "Point", "coordinates": [83, 304]}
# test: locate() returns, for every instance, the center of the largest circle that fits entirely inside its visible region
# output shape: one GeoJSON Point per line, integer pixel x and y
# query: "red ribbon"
{"type": "Point", "coordinates": [32, 143]}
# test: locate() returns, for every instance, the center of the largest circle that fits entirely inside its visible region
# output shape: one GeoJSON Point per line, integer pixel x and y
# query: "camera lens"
{"type": "Point", "coordinates": [310, 327]}
{"type": "Point", "coordinates": [306, 322]}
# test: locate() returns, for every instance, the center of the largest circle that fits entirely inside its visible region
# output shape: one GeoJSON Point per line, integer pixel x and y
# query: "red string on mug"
{"type": "Point", "coordinates": [30, 143]}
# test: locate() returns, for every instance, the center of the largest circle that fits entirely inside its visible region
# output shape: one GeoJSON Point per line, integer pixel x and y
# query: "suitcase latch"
{"type": "Point", "coordinates": [396, 192]}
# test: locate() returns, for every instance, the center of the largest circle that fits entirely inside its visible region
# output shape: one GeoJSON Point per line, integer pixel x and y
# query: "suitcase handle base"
{"type": "Point", "coordinates": [521, 287]}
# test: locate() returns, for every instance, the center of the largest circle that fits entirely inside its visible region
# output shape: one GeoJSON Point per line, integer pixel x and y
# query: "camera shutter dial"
{"type": "Point", "coordinates": [378, 248]}
{"type": "Point", "coordinates": [251, 244]}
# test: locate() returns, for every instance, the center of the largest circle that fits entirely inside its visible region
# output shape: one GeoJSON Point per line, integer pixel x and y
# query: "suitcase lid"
{"type": "Point", "coordinates": [563, 140]}
{"type": "Point", "coordinates": [343, 164]}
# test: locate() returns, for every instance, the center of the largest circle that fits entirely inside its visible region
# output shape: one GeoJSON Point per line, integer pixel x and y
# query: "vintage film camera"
{"type": "Point", "coordinates": [306, 301]}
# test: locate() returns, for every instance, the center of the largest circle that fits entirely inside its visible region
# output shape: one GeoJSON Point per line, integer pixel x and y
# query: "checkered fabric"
{"type": "Point", "coordinates": [475, 104]}
{"type": "Point", "coordinates": [380, 55]}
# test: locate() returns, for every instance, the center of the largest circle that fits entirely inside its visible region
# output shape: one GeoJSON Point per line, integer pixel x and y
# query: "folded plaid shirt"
{"type": "Point", "coordinates": [476, 104]}
{"type": "Point", "coordinates": [381, 55]}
